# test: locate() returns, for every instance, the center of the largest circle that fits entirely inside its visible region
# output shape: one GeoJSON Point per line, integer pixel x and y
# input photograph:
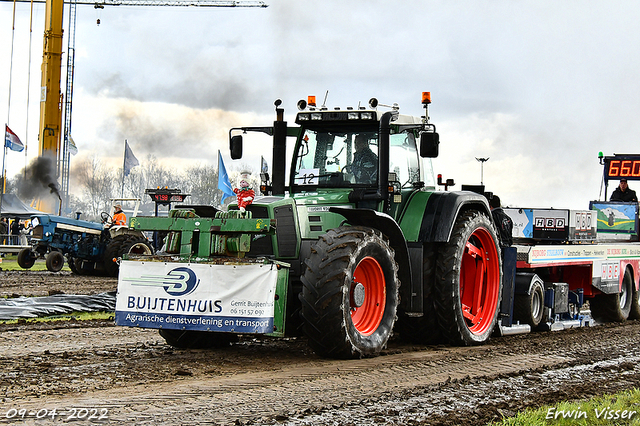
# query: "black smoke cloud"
{"type": "Point", "coordinates": [38, 179]}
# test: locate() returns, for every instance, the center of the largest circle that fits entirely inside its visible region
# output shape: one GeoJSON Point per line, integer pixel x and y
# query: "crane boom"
{"type": "Point", "coordinates": [51, 101]}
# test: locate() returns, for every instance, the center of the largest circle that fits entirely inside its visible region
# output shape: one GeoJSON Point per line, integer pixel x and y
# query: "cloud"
{"type": "Point", "coordinates": [539, 87]}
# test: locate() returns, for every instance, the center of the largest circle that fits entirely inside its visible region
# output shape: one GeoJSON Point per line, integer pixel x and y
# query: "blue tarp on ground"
{"type": "Point", "coordinates": [33, 307]}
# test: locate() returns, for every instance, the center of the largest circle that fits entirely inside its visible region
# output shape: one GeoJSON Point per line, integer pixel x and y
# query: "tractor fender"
{"type": "Point", "coordinates": [385, 224]}
{"type": "Point", "coordinates": [443, 208]}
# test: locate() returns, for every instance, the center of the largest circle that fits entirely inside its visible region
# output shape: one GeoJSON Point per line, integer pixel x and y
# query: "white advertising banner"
{"type": "Point", "coordinates": [184, 296]}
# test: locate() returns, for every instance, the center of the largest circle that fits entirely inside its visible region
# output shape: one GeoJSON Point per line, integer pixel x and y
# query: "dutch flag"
{"type": "Point", "coordinates": [11, 140]}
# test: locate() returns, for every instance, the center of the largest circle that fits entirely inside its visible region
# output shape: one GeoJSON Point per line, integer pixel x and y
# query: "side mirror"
{"type": "Point", "coordinates": [235, 146]}
{"type": "Point", "coordinates": [429, 142]}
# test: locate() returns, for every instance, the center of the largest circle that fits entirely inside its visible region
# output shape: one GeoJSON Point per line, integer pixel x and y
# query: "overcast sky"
{"type": "Point", "coordinates": [538, 87]}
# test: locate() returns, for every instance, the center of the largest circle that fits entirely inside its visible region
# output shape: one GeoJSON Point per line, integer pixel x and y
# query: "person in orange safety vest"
{"type": "Point", "coordinates": [119, 218]}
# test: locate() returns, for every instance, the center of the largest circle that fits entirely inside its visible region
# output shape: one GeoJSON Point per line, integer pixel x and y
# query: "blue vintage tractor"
{"type": "Point", "coordinates": [89, 247]}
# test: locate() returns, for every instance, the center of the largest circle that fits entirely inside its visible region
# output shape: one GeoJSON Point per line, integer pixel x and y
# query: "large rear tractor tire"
{"type": "Point", "coordinates": [71, 261]}
{"type": "Point", "coordinates": [85, 267]}
{"type": "Point", "coordinates": [424, 329]}
{"type": "Point", "coordinates": [529, 308]}
{"type": "Point", "coordinates": [469, 281]}
{"type": "Point", "coordinates": [79, 266]}
{"type": "Point", "coordinates": [26, 258]}
{"type": "Point", "coordinates": [614, 307]}
{"type": "Point", "coordinates": [54, 261]}
{"type": "Point", "coordinates": [350, 293]}
{"type": "Point", "coordinates": [192, 339]}
{"type": "Point", "coordinates": [120, 245]}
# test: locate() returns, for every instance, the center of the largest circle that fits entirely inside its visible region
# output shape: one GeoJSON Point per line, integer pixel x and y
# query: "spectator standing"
{"type": "Point", "coordinates": [26, 230]}
{"type": "Point", "coordinates": [4, 230]}
{"type": "Point", "coordinates": [15, 231]}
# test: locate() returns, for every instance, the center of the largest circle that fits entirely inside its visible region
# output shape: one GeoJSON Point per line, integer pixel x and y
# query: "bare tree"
{"type": "Point", "coordinates": [201, 181]}
{"type": "Point", "coordinates": [98, 186]}
{"type": "Point", "coordinates": [79, 207]}
{"type": "Point", "coordinates": [150, 174]}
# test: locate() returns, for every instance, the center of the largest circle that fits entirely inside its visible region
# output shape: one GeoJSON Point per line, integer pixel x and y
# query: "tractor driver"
{"type": "Point", "coordinates": [119, 218]}
{"type": "Point", "coordinates": [365, 162]}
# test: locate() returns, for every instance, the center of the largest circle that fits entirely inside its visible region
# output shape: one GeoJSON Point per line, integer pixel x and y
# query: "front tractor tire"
{"type": "Point", "coordinates": [350, 293]}
{"type": "Point", "coordinates": [26, 258]}
{"type": "Point", "coordinates": [469, 281]}
{"type": "Point", "coordinates": [120, 245]}
{"type": "Point", "coordinates": [54, 261]}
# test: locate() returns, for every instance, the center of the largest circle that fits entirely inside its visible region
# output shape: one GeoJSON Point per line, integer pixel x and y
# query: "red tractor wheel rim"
{"type": "Point", "coordinates": [479, 281]}
{"type": "Point", "coordinates": [366, 317]}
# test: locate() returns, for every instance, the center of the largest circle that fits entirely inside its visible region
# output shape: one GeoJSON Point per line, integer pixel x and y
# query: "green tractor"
{"type": "Point", "coordinates": [368, 245]}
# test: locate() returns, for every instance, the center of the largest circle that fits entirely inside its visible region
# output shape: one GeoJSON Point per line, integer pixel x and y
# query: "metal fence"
{"type": "Point", "coordinates": [15, 240]}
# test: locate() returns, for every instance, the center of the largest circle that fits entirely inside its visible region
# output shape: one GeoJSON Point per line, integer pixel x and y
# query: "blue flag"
{"type": "Point", "coordinates": [224, 184]}
{"type": "Point", "coordinates": [130, 160]}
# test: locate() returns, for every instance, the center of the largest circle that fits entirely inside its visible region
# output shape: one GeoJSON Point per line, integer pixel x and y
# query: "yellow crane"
{"type": "Point", "coordinates": [51, 98]}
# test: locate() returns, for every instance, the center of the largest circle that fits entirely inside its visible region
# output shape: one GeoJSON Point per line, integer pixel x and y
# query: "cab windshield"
{"type": "Point", "coordinates": [350, 159]}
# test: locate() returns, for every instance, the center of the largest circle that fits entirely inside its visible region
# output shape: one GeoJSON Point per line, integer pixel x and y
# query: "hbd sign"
{"type": "Point", "coordinates": [550, 222]}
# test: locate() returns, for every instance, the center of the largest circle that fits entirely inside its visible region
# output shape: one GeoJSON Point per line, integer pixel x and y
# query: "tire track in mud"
{"type": "Point", "coordinates": [294, 389]}
{"type": "Point", "coordinates": [15, 342]}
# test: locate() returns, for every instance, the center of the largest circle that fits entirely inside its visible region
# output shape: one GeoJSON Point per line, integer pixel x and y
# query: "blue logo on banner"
{"type": "Point", "coordinates": [180, 281]}
{"type": "Point", "coordinates": [177, 282]}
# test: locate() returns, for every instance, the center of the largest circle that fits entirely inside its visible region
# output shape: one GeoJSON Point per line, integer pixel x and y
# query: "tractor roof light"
{"type": "Point", "coordinates": [426, 98]}
{"type": "Point", "coordinates": [311, 100]}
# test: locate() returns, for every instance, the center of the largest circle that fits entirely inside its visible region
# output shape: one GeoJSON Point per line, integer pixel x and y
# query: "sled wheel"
{"type": "Point", "coordinates": [424, 329]}
{"type": "Point", "coordinates": [26, 258]}
{"type": "Point", "coordinates": [529, 308]}
{"type": "Point", "coordinates": [193, 339]}
{"type": "Point", "coordinates": [614, 307]}
{"type": "Point", "coordinates": [350, 293]}
{"type": "Point", "coordinates": [54, 261]}
{"type": "Point", "coordinates": [469, 280]}
{"type": "Point", "coordinates": [120, 245]}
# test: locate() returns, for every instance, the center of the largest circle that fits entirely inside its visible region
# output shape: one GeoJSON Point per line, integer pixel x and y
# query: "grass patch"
{"type": "Point", "coordinates": [73, 316]}
{"type": "Point", "coordinates": [10, 263]}
{"type": "Point", "coordinates": [611, 410]}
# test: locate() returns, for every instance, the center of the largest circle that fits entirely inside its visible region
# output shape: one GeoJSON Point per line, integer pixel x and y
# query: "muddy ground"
{"type": "Point", "coordinates": [94, 372]}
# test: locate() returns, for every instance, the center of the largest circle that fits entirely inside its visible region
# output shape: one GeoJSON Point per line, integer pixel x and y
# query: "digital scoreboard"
{"type": "Point", "coordinates": [622, 167]}
{"type": "Point", "coordinates": [166, 196]}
